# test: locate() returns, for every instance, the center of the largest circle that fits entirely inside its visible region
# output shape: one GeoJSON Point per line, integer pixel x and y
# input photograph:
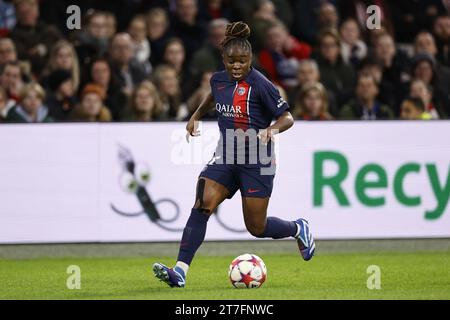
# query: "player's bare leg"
{"type": "Point", "coordinates": [257, 223]}
{"type": "Point", "coordinates": [255, 214]}
{"type": "Point", "coordinates": [209, 195]}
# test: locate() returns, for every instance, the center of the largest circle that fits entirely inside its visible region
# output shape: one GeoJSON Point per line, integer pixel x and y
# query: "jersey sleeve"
{"type": "Point", "coordinates": [271, 98]}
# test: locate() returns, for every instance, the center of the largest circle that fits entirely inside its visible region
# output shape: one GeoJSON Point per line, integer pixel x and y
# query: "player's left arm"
{"type": "Point", "coordinates": [270, 98]}
{"type": "Point", "coordinates": [283, 123]}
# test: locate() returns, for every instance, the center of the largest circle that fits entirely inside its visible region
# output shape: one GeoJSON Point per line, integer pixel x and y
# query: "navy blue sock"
{"type": "Point", "coordinates": [277, 228]}
{"type": "Point", "coordinates": [193, 235]}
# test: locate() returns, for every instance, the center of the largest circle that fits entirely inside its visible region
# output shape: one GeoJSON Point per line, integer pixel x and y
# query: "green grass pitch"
{"type": "Point", "coordinates": [404, 275]}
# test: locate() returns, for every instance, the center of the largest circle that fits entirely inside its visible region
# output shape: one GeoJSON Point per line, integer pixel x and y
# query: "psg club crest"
{"type": "Point", "coordinates": [241, 91]}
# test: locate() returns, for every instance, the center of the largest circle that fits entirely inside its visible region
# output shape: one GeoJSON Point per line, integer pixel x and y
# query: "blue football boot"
{"type": "Point", "coordinates": [305, 240]}
{"type": "Point", "coordinates": [174, 277]}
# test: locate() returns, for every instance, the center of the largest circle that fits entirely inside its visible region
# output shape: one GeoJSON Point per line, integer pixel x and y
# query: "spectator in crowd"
{"type": "Point", "coordinates": [128, 71]}
{"type": "Point", "coordinates": [424, 43]}
{"type": "Point", "coordinates": [30, 107]}
{"type": "Point", "coordinates": [158, 32]}
{"type": "Point", "coordinates": [424, 68]}
{"type": "Point", "coordinates": [305, 22]}
{"type": "Point", "coordinates": [166, 81]}
{"type": "Point", "coordinates": [110, 25]}
{"type": "Point", "coordinates": [6, 104]}
{"type": "Point", "coordinates": [8, 54]}
{"type": "Point", "coordinates": [216, 9]}
{"type": "Point", "coordinates": [263, 17]}
{"type": "Point", "coordinates": [92, 40]}
{"type": "Point", "coordinates": [327, 17]}
{"type": "Point", "coordinates": [413, 109]}
{"type": "Point", "coordinates": [99, 73]}
{"type": "Point", "coordinates": [209, 57]}
{"type": "Point", "coordinates": [243, 10]}
{"type": "Point", "coordinates": [446, 4]}
{"type": "Point", "coordinates": [145, 6]}
{"type": "Point", "coordinates": [308, 72]}
{"type": "Point", "coordinates": [392, 60]}
{"type": "Point", "coordinates": [281, 56]}
{"type": "Point", "coordinates": [174, 56]}
{"type": "Point", "coordinates": [424, 91]}
{"type": "Point", "coordinates": [33, 39]}
{"type": "Point", "coordinates": [365, 105]}
{"type": "Point", "coordinates": [312, 103]}
{"type": "Point", "coordinates": [63, 57]}
{"type": "Point", "coordinates": [414, 63]}
{"type": "Point", "coordinates": [11, 80]}
{"type": "Point", "coordinates": [138, 32]}
{"type": "Point", "coordinates": [145, 103]}
{"type": "Point", "coordinates": [353, 48]}
{"type": "Point", "coordinates": [395, 63]}
{"type": "Point", "coordinates": [283, 10]}
{"type": "Point", "coordinates": [7, 17]}
{"type": "Point", "coordinates": [357, 9]}
{"type": "Point", "coordinates": [336, 75]}
{"type": "Point", "coordinates": [407, 22]}
{"type": "Point", "coordinates": [441, 30]}
{"type": "Point", "coordinates": [373, 35]}
{"type": "Point", "coordinates": [200, 95]}
{"type": "Point", "coordinates": [54, 13]}
{"type": "Point", "coordinates": [91, 107]}
{"type": "Point", "coordinates": [187, 26]}
{"type": "Point", "coordinates": [387, 92]}
{"type": "Point", "coordinates": [413, 16]}
{"type": "Point", "coordinates": [122, 11]}
{"type": "Point", "coordinates": [425, 46]}
{"type": "Point", "coordinates": [8, 51]}
{"type": "Point", "coordinates": [61, 96]}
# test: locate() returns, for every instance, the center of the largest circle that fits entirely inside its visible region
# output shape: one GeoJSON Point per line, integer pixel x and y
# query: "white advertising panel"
{"type": "Point", "coordinates": [136, 182]}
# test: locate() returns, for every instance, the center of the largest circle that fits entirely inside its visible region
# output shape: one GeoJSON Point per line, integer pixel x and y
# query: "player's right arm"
{"type": "Point", "coordinates": [202, 109]}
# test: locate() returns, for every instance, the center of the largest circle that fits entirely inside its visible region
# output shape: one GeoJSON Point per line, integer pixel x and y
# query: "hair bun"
{"type": "Point", "coordinates": [237, 30]}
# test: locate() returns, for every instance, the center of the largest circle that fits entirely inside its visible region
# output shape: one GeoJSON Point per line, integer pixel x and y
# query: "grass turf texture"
{"type": "Point", "coordinates": [407, 275]}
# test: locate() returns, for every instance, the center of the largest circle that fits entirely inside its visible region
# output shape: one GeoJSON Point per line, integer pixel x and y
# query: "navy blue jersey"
{"type": "Point", "coordinates": [250, 103]}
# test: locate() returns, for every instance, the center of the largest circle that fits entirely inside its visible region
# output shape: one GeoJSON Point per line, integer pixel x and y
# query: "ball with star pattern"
{"type": "Point", "coordinates": [247, 271]}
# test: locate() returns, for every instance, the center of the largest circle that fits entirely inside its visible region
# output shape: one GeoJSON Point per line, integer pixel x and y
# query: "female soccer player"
{"type": "Point", "coordinates": [244, 99]}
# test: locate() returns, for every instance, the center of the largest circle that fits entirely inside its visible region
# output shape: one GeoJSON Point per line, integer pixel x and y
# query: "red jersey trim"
{"type": "Point", "coordinates": [241, 97]}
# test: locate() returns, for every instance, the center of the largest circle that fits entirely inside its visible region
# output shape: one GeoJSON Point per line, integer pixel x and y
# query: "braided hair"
{"type": "Point", "coordinates": [236, 34]}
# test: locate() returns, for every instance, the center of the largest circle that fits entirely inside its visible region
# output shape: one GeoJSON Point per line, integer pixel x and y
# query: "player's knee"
{"type": "Point", "coordinates": [202, 201]}
{"type": "Point", "coordinates": [256, 230]}
{"type": "Point", "coordinates": [207, 205]}
{"type": "Point", "coordinates": [206, 199]}
{"type": "Point", "coordinates": [205, 209]}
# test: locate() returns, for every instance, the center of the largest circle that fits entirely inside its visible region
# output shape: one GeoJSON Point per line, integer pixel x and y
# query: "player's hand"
{"type": "Point", "coordinates": [265, 135]}
{"type": "Point", "coordinates": [192, 129]}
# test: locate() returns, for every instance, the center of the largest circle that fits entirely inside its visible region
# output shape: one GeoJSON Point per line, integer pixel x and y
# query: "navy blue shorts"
{"type": "Point", "coordinates": [234, 177]}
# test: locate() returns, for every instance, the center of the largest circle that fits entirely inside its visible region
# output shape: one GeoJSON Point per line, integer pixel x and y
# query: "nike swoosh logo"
{"type": "Point", "coordinates": [253, 190]}
{"type": "Point", "coordinates": [221, 88]}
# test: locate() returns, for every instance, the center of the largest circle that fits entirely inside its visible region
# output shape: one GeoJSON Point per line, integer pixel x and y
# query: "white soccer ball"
{"type": "Point", "coordinates": [247, 271]}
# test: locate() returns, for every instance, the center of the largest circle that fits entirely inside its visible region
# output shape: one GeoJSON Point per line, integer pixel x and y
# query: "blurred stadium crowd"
{"type": "Point", "coordinates": [151, 60]}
